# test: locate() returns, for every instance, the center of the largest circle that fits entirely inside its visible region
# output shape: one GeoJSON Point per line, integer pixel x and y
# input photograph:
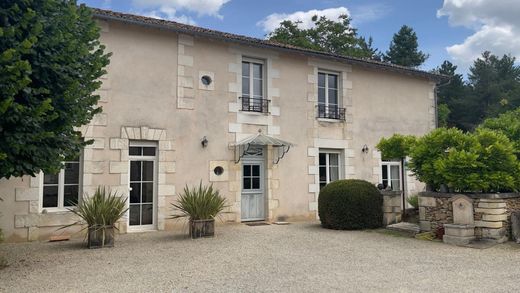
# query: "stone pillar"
{"type": "Point", "coordinates": [391, 207]}
{"type": "Point", "coordinates": [493, 217]}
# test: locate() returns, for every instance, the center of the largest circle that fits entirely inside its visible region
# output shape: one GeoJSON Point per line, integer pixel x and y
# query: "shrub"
{"type": "Point", "coordinates": [395, 147]}
{"type": "Point", "coordinates": [507, 124]}
{"type": "Point", "coordinates": [350, 204]}
{"type": "Point", "coordinates": [413, 201]}
{"type": "Point", "coordinates": [202, 203]}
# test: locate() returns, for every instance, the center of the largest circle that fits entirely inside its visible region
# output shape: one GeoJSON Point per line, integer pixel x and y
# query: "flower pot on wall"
{"type": "Point", "coordinates": [202, 228]}
{"type": "Point", "coordinates": [100, 236]}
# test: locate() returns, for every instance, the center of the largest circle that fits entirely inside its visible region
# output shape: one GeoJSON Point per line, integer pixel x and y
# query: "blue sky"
{"type": "Point", "coordinates": [455, 30]}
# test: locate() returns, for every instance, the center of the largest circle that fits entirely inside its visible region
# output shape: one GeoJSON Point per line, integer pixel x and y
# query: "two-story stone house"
{"type": "Point", "coordinates": [268, 124]}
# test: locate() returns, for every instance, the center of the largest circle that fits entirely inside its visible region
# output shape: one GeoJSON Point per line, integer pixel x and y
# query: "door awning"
{"type": "Point", "coordinates": [242, 147]}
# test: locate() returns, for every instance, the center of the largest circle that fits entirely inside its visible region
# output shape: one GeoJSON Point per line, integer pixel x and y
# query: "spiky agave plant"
{"type": "Point", "coordinates": [199, 203]}
{"type": "Point", "coordinates": [104, 208]}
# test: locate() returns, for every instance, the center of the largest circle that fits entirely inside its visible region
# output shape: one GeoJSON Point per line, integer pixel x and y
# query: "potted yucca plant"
{"type": "Point", "coordinates": [100, 212]}
{"type": "Point", "coordinates": [200, 205]}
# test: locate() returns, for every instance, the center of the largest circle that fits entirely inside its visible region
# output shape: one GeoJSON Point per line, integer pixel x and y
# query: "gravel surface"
{"type": "Point", "coordinates": [300, 257]}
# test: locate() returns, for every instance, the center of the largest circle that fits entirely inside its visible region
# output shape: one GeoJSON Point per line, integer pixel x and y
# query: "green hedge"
{"type": "Point", "coordinates": [350, 204]}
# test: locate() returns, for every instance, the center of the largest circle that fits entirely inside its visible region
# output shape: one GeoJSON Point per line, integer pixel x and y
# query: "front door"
{"type": "Point", "coordinates": [142, 203]}
{"type": "Point", "coordinates": [253, 191]}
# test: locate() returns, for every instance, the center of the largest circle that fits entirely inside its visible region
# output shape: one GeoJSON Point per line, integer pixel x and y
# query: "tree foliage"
{"type": "Point", "coordinates": [326, 35]}
{"type": "Point", "coordinates": [50, 63]}
{"type": "Point", "coordinates": [395, 147]}
{"type": "Point", "coordinates": [404, 49]}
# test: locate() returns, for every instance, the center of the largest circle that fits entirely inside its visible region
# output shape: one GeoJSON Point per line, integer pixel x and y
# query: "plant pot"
{"type": "Point", "coordinates": [202, 228]}
{"type": "Point", "coordinates": [100, 236]}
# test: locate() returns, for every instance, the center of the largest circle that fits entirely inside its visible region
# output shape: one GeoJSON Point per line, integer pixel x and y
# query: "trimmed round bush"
{"type": "Point", "coordinates": [350, 204]}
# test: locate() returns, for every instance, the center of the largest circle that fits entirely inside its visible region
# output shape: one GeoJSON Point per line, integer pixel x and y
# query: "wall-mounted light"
{"type": "Point", "coordinates": [204, 142]}
{"type": "Point", "coordinates": [364, 150]}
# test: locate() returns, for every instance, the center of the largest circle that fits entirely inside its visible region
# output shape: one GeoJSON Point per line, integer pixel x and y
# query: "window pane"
{"type": "Point", "coordinates": [147, 194]}
{"type": "Point", "coordinates": [323, 174]}
{"type": "Point", "coordinates": [333, 97]}
{"type": "Point", "coordinates": [135, 214]}
{"type": "Point", "coordinates": [70, 195]}
{"type": "Point", "coordinates": [148, 151]}
{"type": "Point", "coordinates": [321, 95]}
{"type": "Point", "coordinates": [257, 87]}
{"type": "Point", "coordinates": [50, 196]}
{"type": "Point", "coordinates": [396, 185]}
{"type": "Point", "coordinates": [394, 172]}
{"type": "Point", "coordinates": [147, 211]}
{"type": "Point", "coordinates": [71, 173]}
{"type": "Point", "coordinates": [134, 151]}
{"type": "Point", "coordinates": [247, 183]}
{"type": "Point", "coordinates": [245, 69]}
{"type": "Point", "coordinates": [333, 173]}
{"type": "Point", "coordinates": [334, 159]}
{"type": "Point", "coordinates": [323, 159]}
{"type": "Point", "coordinates": [247, 170]}
{"type": "Point", "coordinates": [256, 183]}
{"type": "Point", "coordinates": [135, 171]}
{"type": "Point", "coordinates": [333, 81]}
{"type": "Point", "coordinates": [50, 178]}
{"type": "Point", "coordinates": [147, 171]}
{"type": "Point", "coordinates": [321, 79]}
{"type": "Point", "coordinates": [245, 86]}
{"type": "Point", "coordinates": [135, 193]}
{"type": "Point", "coordinates": [257, 70]}
{"type": "Point", "coordinates": [256, 170]}
{"type": "Point", "coordinates": [384, 172]}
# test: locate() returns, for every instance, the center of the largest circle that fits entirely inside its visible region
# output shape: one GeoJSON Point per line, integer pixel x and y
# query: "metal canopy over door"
{"type": "Point", "coordinates": [142, 202]}
{"type": "Point", "coordinates": [253, 191]}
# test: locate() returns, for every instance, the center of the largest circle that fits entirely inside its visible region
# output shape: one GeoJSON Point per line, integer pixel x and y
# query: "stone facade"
{"type": "Point", "coordinates": [491, 216]}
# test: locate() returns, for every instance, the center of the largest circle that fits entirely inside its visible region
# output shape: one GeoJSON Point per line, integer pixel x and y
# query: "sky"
{"type": "Point", "coordinates": [454, 30]}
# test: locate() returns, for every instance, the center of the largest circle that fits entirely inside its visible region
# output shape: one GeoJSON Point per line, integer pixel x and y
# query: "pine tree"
{"type": "Point", "coordinates": [404, 49]}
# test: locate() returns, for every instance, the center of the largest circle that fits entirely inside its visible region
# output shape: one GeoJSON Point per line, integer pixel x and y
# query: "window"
{"type": "Point", "coordinates": [329, 164]}
{"type": "Point", "coordinates": [253, 87]}
{"type": "Point", "coordinates": [328, 102]}
{"type": "Point", "coordinates": [62, 190]}
{"type": "Point", "coordinates": [391, 175]}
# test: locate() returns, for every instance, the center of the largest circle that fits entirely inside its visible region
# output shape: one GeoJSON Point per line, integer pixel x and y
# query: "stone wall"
{"type": "Point", "coordinates": [391, 207]}
{"type": "Point", "coordinates": [492, 212]}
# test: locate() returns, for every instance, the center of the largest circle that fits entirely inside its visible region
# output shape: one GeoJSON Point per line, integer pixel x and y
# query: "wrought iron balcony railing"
{"type": "Point", "coordinates": [331, 112]}
{"type": "Point", "coordinates": [258, 105]}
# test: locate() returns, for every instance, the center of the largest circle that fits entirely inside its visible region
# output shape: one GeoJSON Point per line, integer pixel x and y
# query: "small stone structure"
{"type": "Point", "coordinates": [462, 231]}
{"type": "Point", "coordinates": [491, 213]}
{"type": "Point", "coordinates": [391, 207]}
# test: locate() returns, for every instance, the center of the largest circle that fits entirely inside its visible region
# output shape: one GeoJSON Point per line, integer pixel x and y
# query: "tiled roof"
{"type": "Point", "coordinates": [209, 33]}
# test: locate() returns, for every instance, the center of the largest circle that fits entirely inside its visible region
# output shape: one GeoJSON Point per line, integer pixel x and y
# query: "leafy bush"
{"type": "Point", "coordinates": [350, 204]}
{"type": "Point", "coordinates": [507, 124]}
{"type": "Point", "coordinates": [104, 208]}
{"type": "Point", "coordinates": [202, 203]}
{"type": "Point", "coordinates": [395, 147]}
{"type": "Point", "coordinates": [413, 201]}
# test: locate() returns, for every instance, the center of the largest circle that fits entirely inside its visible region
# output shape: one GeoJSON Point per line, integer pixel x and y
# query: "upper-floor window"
{"type": "Point", "coordinates": [391, 175]}
{"type": "Point", "coordinates": [62, 189]}
{"type": "Point", "coordinates": [329, 166]}
{"type": "Point", "coordinates": [253, 92]}
{"type": "Point", "coordinates": [328, 101]}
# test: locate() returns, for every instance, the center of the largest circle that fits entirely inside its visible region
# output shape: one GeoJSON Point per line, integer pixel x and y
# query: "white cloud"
{"type": "Point", "coordinates": [368, 13]}
{"type": "Point", "coordinates": [272, 21]}
{"type": "Point", "coordinates": [201, 7]}
{"type": "Point", "coordinates": [169, 14]}
{"type": "Point", "coordinates": [496, 26]}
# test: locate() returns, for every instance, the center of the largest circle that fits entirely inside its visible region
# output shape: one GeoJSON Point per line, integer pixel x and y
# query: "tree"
{"type": "Point", "coordinates": [50, 64]}
{"type": "Point", "coordinates": [404, 49]}
{"type": "Point", "coordinates": [451, 96]}
{"type": "Point", "coordinates": [494, 86]}
{"type": "Point", "coordinates": [326, 35]}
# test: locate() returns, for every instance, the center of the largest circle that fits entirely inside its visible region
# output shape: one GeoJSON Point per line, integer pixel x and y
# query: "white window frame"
{"type": "Point", "coordinates": [387, 165]}
{"type": "Point", "coordinates": [327, 152]}
{"type": "Point", "coordinates": [61, 189]}
{"type": "Point", "coordinates": [251, 95]}
{"type": "Point", "coordinates": [327, 73]}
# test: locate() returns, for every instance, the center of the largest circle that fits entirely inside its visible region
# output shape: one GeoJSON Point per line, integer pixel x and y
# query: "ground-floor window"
{"type": "Point", "coordinates": [62, 189]}
{"type": "Point", "coordinates": [329, 165]}
{"type": "Point", "coordinates": [391, 175]}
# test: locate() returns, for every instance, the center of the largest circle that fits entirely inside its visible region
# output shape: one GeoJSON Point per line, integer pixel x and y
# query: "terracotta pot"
{"type": "Point", "coordinates": [100, 236]}
{"type": "Point", "coordinates": [202, 228]}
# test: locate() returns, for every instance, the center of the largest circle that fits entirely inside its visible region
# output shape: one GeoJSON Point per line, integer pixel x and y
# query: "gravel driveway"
{"type": "Point", "coordinates": [300, 257]}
